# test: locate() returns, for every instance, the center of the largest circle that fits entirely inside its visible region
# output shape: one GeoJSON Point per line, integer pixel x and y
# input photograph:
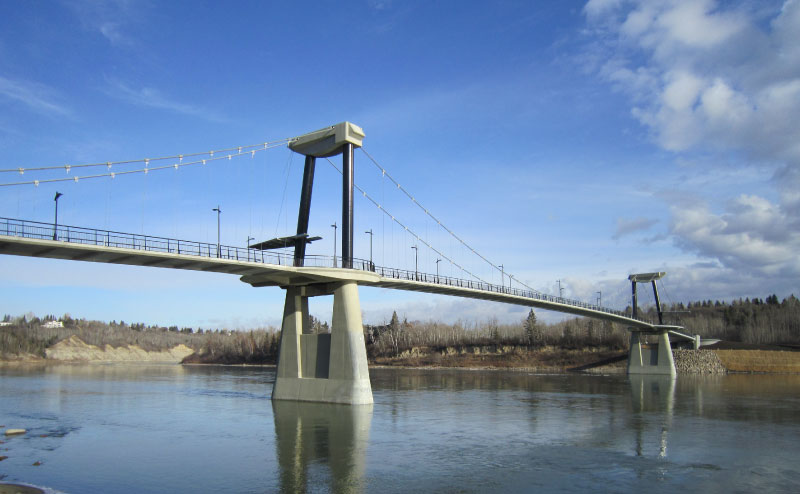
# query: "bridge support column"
{"type": "Point", "coordinates": [656, 359]}
{"type": "Point", "coordinates": [326, 368]}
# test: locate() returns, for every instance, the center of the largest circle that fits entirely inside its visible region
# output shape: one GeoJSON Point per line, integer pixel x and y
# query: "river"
{"type": "Point", "coordinates": [196, 429]}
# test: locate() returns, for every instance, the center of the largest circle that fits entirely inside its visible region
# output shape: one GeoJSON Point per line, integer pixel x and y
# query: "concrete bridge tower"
{"type": "Point", "coordinates": [329, 368]}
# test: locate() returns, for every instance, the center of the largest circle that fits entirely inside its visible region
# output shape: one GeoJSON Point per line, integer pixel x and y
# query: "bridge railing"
{"type": "Point", "coordinates": [402, 274]}
{"type": "Point", "coordinates": [109, 238]}
{"type": "Point", "coordinates": [150, 243]}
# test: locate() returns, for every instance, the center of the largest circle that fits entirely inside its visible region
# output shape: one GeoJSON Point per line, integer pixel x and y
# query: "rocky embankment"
{"type": "Point", "coordinates": [549, 359]}
{"type": "Point", "coordinates": [544, 359]}
{"type": "Point", "coordinates": [74, 349]}
{"type": "Point", "coordinates": [698, 362]}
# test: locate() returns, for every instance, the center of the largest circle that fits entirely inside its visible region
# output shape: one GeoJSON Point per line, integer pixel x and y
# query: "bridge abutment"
{"type": "Point", "coordinates": [325, 368]}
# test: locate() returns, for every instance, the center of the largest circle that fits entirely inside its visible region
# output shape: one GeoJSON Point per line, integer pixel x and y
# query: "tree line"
{"type": "Point", "coordinates": [767, 321]}
{"type": "Point", "coordinates": [398, 336]}
{"type": "Point", "coordinates": [757, 321]}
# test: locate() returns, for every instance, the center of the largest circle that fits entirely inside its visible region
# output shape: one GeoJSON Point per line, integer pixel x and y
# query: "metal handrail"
{"type": "Point", "coordinates": [109, 238]}
{"type": "Point", "coordinates": [406, 275]}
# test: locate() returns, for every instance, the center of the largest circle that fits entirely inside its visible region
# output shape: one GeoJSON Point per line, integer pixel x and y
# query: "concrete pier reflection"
{"type": "Point", "coordinates": [652, 396]}
{"type": "Point", "coordinates": [319, 440]}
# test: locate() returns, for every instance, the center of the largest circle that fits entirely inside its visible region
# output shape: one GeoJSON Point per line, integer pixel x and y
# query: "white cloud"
{"type": "Point", "coordinates": [720, 78]}
{"type": "Point", "coordinates": [753, 234]}
{"type": "Point", "coordinates": [113, 32]}
{"type": "Point", "coordinates": [704, 76]}
{"type": "Point", "coordinates": [380, 4]}
{"type": "Point", "coordinates": [597, 8]}
{"type": "Point", "coordinates": [153, 98]}
{"type": "Point", "coordinates": [628, 226]}
{"type": "Point", "coordinates": [682, 90]}
{"type": "Point", "coordinates": [697, 23]}
{"type": "Point", "coordinates": [108, 17]}
{"type": "Point", "coordinates": [35, 96]}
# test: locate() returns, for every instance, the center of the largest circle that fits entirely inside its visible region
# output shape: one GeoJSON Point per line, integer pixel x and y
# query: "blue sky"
{"type": "Point", "coordinates": [567, 141]}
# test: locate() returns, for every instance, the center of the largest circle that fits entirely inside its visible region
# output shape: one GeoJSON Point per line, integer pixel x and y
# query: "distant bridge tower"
{"type": "Point", "coordinates": [331, 367]}
{"type": "Point", "coordinates": [656, 358]}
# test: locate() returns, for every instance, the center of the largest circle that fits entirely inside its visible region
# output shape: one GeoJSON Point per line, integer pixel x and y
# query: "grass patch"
{"type": "Point", "coordinates": [760, 361]}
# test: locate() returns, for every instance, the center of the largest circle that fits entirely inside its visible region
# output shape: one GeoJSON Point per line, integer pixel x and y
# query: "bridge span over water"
{"type": "Point", "coordinates": [319, 367]}
{"type": "Point", "coordinates": [261, 269]}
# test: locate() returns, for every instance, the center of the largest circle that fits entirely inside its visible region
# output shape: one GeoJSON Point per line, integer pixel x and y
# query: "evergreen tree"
{"type": "Point", "coordinates": [533, 333]}
{"type": "Point", "coordinates": [393, 332]}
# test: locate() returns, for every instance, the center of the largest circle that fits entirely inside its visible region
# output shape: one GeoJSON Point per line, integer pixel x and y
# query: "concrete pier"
{"type": "Point", "coordinates": [656, 359]}
{"type": "Point", "coordinates": [326, 368]}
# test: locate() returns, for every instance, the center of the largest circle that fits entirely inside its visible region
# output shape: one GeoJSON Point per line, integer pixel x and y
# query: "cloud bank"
{"type": "Point", "coordinates": [721, 79]}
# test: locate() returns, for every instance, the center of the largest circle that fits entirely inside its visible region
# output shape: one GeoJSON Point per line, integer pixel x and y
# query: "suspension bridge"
{"type": "Point", "coordinates": [316, 367]}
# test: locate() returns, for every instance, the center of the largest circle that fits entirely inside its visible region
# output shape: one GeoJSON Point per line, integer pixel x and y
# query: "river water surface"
{"type": "Point", "coordinates": [196, 429]}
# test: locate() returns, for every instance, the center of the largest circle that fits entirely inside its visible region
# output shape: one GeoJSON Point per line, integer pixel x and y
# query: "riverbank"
{"type": "Point", "coordinates": [771, 360]}
{"type": "Point", "coordinates": [73, 349]}
{"type": "Point", "coordinates": [725, 357]}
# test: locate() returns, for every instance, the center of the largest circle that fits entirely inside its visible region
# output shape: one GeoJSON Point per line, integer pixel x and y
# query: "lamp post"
{"type": "Point", "coordinates": [334, 243]}
{"type": "Point", "coordinates": [55, 223]}
{"type": "Point", "coordinates": [560, 290]}
{"type": "Point", "coordinates": [437, 269]}
{"type": "Point", "coordinates": [219, 211]}
{"type": "Point", "coordinates": [600, 299]}
{"type": "Point", "coordinates": [416, 262]}
{"type": "Point", "coordinates": [249, 238]}
{"type": "Point", "coordinates": [502, 276]}
{"type": "Point", "coordinates": [369, 232]}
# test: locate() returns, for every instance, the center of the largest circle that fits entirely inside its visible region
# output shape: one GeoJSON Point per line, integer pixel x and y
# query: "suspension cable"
{"type": "Point", "coordinates": [240, 151]}
{"type": "Point", "coordinates": [434, 218]}
{"type": "Point", "coordinates": [387, 213]}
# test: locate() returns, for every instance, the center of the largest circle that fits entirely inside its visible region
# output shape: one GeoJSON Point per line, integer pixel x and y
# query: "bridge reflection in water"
{"type": "Point", "coordinates": [319, 440]}
{"type": "Point", "coordinates": [652, 401]}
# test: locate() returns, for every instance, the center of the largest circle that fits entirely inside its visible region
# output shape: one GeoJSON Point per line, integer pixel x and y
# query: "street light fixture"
{"type": "Point", "coordinates": [55, 223]}
{"type": "Point", "coordinates": [600, 298]}
{"type": "Point", "coordinates": [249, 238]}
{"type": "Point", "coordinates": [219, 211]}
{"type": "Point", "coordinates": [371, 266]}
{"type": "Point", "coordinates": [416, 262]}
{"type": "Point", "coordinates": [334, 243]}
{"type": "Point", "coordinates": [502, 276]}
{"type": "Point", "coordinates": [437, 269]}
{"type": "Point", "coordinates": [560, 289]}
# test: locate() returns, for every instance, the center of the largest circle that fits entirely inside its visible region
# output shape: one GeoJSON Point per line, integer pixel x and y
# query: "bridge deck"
{"type": "Point", "coordinates": [33, 239]}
